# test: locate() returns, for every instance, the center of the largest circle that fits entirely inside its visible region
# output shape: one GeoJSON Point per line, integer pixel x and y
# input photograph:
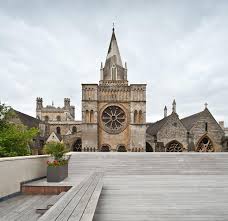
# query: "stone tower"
{"type": "Point", "coordinates": [113, 112]}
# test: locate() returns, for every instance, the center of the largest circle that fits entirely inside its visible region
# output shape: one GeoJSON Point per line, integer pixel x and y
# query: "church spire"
{"type": "Point", "coordinates": [113, 69]}
{"type": "Point", "coordinates": [113, 50]}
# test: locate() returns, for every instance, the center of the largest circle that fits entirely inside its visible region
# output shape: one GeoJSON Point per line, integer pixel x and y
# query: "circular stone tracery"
{"type": "Point", "coordinates": [205, 145]}
{"type": "Point", "coordinates": [113, 119]}
{"type": "Point", "coordinates": [174, 147]}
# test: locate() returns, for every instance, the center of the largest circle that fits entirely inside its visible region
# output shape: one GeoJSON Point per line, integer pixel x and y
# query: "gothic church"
{"type": "Point", "coordinates": [114, 118]}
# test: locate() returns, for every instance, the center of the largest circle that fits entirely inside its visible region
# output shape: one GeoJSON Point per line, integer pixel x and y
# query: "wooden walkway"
{"type": "Point", "coordinates": [159, 186]}
{"type": "Point", "coordinates": [147, 187]}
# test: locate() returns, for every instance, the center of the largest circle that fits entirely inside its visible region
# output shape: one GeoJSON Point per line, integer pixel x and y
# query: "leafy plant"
{"type": "Point", "coordinates": [14, 139]}
{"type": "Point", "coordinates": [57, 151]}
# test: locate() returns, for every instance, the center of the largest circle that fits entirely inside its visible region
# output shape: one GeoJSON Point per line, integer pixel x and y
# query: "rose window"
{"type": "Point", "coordinates": [114, 119]}
{"type": "Point", "coordinates": [174, 147]}
{"type": "Point", "coordinates": [205, 145]}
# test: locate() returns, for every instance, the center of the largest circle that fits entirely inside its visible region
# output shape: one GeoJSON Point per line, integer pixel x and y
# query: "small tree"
{"type": "Point", "coordinates": [14, 139]}
{"type": "Point", "coordinates": [57, 151]}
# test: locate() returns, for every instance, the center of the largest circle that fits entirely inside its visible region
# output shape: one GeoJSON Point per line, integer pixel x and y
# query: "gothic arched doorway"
{"type": "Point", "coordinates": [77, 147]}
{"type": "Point", "coordinates": [105, 148]}
{"type": "Point", "coordinates": [121, 148]}
{"type": "Point", "coordinates": [205, 144]}
{"type": "Point", "coordinates": [174, 146]}
{"type": "Point", "coordinates": [149, 148]}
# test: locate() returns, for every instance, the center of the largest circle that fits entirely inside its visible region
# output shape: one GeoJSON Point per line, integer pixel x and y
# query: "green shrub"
{"type": "Point", "coordinates": [56, 150]}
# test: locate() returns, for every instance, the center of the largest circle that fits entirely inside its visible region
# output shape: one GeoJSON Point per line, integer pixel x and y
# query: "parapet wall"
{"type": "Point", "coordinates": [15, 170]}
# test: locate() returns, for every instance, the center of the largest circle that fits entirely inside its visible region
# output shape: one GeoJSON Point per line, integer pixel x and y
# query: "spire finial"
{"type": "Point", "coordinates": [113, 27]}
{"type": "Point", "coordinates": [174, 106]}
{"type": "Point", "coordinates": [165, 111]}
{"type": "Point", "coordinates": [206, 104]}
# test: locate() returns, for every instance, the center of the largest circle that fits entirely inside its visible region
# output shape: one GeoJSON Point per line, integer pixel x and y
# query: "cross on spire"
{"type": "Point", "coordinates": [206, 104]}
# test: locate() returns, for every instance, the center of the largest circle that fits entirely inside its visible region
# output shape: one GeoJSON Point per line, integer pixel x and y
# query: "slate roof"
{"type": "Point", "coordinates": [189, 121]}
{"type": "Point", "coordinates": [113, 50]}
{"type": "Point", "coordinates": [153, 128]}
{"type": "Point", "coordinates": [27, 120]}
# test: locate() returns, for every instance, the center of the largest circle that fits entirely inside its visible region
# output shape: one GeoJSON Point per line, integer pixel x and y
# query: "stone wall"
{"type": "Point", "coordinates": [173, 129]}
{"type": "Point", "coordinates": [215, 132]}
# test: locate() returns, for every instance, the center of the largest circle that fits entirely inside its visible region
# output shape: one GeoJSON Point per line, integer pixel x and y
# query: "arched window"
{"type": "Point", "coordinates": [135, 116]}
{"type": "Point", "coordinates": [58, 130]}
{"type": "Point", "coordinates": [105, 148]}
{"type": "Point", "coordinates": [77, 147]}
{"type": "Point", "coordinates": [206, 127]}
{"type": "Point", "coordinates": [205, 144]}
{"type": "Point", "coordinates": [91, 116]}
{"type": "Point", "coordinates": [74, 129]}
{"type": "Point", "coordinates": [149, 148]}
{"type": "Point", "coordinates": [46, 118]}
{"type": "Point", "coordinates": [174, 146]}
{"type": "Point", "coordinates": [121, 148]}
{"type": "Point", "coordinates": [87, 116]}
{"type": "Point", "coordinates": [58, 118]}
{"type": "Point", "coordinates": [140, 117]}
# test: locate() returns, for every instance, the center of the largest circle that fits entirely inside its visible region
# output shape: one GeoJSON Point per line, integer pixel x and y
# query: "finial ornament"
{"type": "Point", "coordinates": [113, 26]}
{"type": "Point", "coordinates": [206, 104]}
{"type": "Point", "coordinates": [52, 103]}
{"type": "Point", "coordinates": [174, 106]}
{"type": "Point", "coordinates": [165, 111]}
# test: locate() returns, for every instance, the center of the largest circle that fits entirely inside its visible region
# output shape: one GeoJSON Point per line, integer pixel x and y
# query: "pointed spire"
{"type": "Point", "coordinates": [165, 111]}
{"type": "Point", "coordinates": [113, 49]}
{"type": "Point", "coordinates": [174, 106]}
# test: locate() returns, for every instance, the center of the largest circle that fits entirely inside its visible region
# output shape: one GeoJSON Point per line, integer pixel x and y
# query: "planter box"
{"type": "Point", "coordinates": [57, 174]}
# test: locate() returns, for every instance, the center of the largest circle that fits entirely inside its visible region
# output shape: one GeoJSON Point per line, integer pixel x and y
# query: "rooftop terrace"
{"type": "Point", "coordinates": [136, 186]}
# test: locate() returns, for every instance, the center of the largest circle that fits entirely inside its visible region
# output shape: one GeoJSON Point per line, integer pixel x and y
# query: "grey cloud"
{"type": "Point", "coordinates": [179, 48]}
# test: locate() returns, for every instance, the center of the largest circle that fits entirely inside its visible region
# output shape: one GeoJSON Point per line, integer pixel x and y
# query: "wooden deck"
{"type": "Point", "coordinates": [148, 186]}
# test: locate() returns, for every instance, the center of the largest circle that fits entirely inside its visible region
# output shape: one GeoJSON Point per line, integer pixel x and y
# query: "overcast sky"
{"type": "Point", "coordinates": [178, 48]}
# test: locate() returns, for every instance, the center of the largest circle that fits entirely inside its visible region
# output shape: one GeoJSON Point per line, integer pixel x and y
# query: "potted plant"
{"type": "Point", "coordinates": [57, 169]}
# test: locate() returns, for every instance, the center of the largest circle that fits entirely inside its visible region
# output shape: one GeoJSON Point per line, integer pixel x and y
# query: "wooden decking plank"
{"type": "Point", "coordinates": [30, 212]}
{"type": "Point", "coordinates": [91, 207]}
{"type": "Point", "coordinates": [13, 214]}
{"type": "Point", "coordinates": [57, 208]}
{"type": "Point", "coordinates": [49, 203]}
{"type": "Point", "coordinates": [78, 211]}
{"type": "Point", "coordinates": [65, 214]}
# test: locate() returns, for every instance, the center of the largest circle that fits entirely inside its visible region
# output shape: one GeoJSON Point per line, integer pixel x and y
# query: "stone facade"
{"type": "Point", "coordinates": [60, 121]}
{"type": "Point", "coordinates": [113, 112]}
{"type": "Point", "coordinates": [199, 132]}
{"type": "Point", "coordinates": [114, 118]}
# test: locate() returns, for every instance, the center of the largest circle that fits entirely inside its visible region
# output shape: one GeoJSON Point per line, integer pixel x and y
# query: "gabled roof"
{"type": "Point", "coordinates": [189, 121]}
{"type": "Point", "coordinates": [113, 50]}
{"type": "Point", "coordinates": [27, 120]}
{"type": "Point", "coordinates": [54, 135]}
{"type": "Point", "coordinates": [153, 128]}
